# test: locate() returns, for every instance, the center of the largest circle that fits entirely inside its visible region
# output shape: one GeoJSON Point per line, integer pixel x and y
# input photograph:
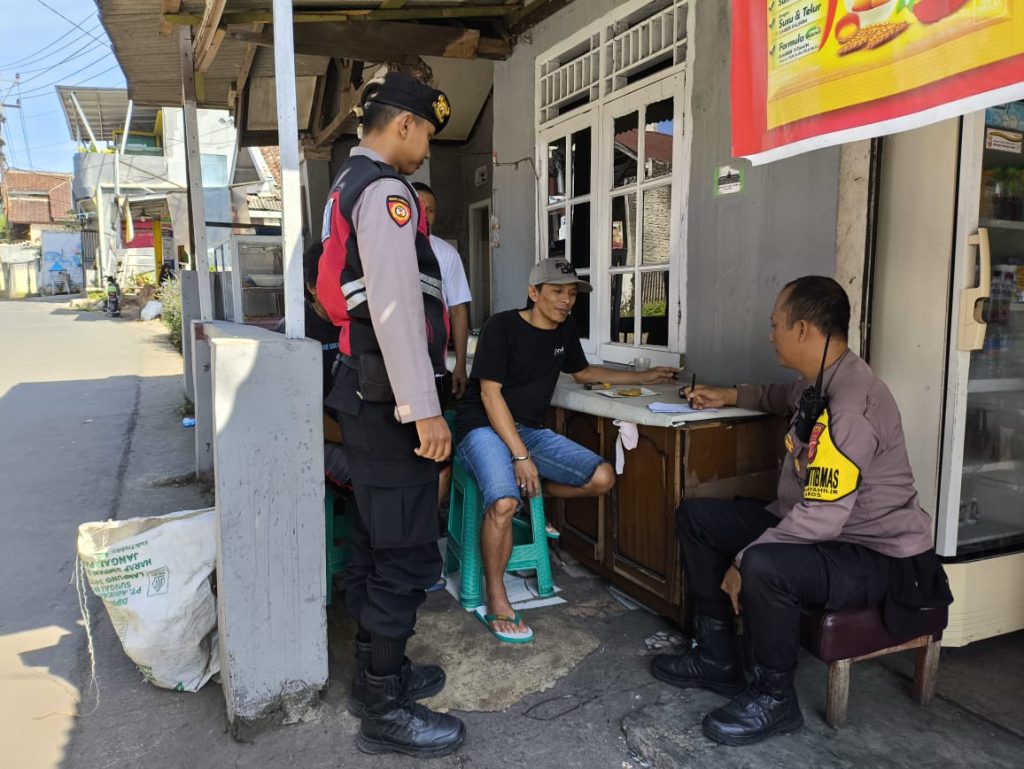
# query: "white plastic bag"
{"type": "Point", "coordinates": [153, 576]}
{"type": "Point", "coordinates": [152, 310]}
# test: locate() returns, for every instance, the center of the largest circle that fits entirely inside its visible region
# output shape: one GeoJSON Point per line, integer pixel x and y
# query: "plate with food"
{"type": "Point", "coordinates": [627, 391]}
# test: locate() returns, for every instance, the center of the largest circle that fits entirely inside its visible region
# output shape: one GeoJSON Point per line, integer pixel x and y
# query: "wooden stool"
{"type": "Point", "coordinates": [841, 638]}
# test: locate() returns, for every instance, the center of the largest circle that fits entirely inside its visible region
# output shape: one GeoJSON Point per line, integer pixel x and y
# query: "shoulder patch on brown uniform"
{"type": "Point", "coordinates": [399, 209]}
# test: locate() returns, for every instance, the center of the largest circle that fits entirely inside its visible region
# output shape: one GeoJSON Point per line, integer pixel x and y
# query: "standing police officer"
{"type": "Point", "coordinates": [845, 532]}
{"type": "Point", "coordinates": [381, 285]}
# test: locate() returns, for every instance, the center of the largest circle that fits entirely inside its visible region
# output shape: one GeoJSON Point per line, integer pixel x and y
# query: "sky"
{"type": "Point", "coordinates": [47, 50]}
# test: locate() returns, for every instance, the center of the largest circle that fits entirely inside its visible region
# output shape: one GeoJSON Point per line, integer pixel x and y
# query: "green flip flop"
{"type": "Point", "coordinates": [515, 637]}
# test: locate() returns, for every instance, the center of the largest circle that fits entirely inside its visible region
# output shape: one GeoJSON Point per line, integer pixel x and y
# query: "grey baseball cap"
{"type": "Point", "coordinates": [557, 272]}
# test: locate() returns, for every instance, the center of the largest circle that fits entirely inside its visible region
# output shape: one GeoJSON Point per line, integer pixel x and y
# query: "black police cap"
{"type": "Point", "coordinates": [407, 93]}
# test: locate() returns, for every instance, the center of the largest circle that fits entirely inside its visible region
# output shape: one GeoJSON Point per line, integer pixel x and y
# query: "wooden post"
{"type": "Point", "coordinates": [158, 249]}
{"type": "Point", "coordinates": [288, 141]}
{"type": "Point", "coordinates": [926, 672]}
{"type": "Point", "coordinates": [196, 203]}
{"type": "Point", "coordinates": [838, 692]}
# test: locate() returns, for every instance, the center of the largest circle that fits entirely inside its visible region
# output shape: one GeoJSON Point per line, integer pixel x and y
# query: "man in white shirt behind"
{"type": "Point", "coordinates": [454, 286]}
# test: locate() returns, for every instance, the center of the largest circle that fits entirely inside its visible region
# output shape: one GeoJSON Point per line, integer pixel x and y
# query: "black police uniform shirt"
{"type": "Point", "coordinates": [326, 333]}
{"type": "Point", "coordinates": [526, 360]}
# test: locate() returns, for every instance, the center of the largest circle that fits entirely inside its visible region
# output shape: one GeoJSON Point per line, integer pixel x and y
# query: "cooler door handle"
{"type": "Point", "coordinates": [972, 300]}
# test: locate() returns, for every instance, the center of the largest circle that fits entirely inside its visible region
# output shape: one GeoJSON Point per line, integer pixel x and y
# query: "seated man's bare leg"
{"type": "Point", "coordinates": [496, 548]}
{"type": "Point", "coordinates": [600, 482]}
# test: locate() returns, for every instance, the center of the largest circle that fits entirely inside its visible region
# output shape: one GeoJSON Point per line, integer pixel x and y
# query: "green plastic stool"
{"type": "Point", "coordinates": [530, 543]}
{"type": "Point", "coordinates": [338, 529]}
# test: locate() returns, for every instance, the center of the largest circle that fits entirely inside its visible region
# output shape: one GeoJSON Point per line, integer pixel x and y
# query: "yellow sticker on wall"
{"type": "Point", "coordinates": [831, 475]}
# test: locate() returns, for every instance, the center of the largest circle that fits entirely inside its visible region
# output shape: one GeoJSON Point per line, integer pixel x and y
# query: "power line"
{"type": "Point", "coordinates": [31, 56]}
{"type": "Point", "coordinates": [69, 21]}
{"type": "Point", "coordinates": [72, 85]}
{"type": "Point", "coordinates": [34, 92]}
{"type": "Point", "coordinates": [85, 49]}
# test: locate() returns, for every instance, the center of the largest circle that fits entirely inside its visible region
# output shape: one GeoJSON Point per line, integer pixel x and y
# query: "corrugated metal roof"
{"type": "Point", "coordinates": [150, 61]}
{"type": "Point", "coordinates": [105, 109]}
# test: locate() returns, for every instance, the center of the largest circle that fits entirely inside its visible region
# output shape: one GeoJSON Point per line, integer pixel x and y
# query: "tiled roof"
{"type": "Point", "coordinates": [263, 202]}
{"type": "Point", "coordinates": [273, 157]}
{"type": "Point", "coordinates": [24, 201]}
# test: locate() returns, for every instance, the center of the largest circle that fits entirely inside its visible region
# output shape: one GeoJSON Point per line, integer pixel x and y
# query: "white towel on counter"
{"type": "Point", "coordinates": [628, 439]}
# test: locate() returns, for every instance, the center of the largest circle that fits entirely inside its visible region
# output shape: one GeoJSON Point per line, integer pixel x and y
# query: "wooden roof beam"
{"type": "Point", "coordinates": [350, 72]}
{"type": "Point", "coordinates": [359, 15]}
{"type": "Point", "coordinates": [210, 35]}
{"type": "Point", "coordinates": [168, 7]}
{"type": "Point", "coordinates": [385, 41]}
{"type": "Point", "coordinates": [244, 68]}
{"type": "Point", "coordinates": [533, 13]}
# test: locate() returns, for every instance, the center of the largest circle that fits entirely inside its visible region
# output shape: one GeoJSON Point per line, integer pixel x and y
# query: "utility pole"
{"type": "Point", "coordinates": [3, 119]}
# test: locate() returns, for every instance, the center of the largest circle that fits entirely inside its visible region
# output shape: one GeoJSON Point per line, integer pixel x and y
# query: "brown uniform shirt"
{"type": "Point", "coordinates": [852, 481]}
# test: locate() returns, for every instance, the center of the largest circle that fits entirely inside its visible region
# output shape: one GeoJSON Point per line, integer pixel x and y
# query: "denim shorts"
{"type": "Point", "coordinates": [487, 458]}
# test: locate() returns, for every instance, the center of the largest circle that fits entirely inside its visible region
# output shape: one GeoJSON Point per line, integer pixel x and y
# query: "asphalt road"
{"type": "Point", "coordinates": [77, 390]}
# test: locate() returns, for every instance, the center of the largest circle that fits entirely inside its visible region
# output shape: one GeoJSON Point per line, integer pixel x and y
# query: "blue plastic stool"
{"type": "Point", "coordinates": [338, 529]}
{"type": "Point", "coordinates": [529, 551]}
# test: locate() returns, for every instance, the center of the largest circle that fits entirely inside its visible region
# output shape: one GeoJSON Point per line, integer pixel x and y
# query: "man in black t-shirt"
{"type": "Point", "coordinates": [502, 441]}
{"type": "Point", "coordinates": [320, 328]}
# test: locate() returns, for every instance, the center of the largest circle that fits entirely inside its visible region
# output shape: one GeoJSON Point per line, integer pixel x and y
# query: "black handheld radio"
{"type": "Point", "coordinates": [813, 403]}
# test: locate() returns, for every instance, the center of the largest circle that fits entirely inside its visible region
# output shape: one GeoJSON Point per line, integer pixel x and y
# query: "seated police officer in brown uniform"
{"type": "Point", "coordinates": [845, 527]}
{"type": "Point", "coordinates": [381, 285]}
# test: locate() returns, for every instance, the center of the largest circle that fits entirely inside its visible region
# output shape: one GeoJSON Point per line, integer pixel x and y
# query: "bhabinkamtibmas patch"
{"type": "Point", "coordinates": [831, 475]}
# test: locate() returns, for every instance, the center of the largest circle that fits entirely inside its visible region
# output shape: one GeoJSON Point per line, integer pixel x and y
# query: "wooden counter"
{"type": "Point", "coordinates": [629, 535]}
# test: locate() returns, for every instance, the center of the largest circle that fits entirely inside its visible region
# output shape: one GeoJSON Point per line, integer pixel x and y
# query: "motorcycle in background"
{"type": "Point", "coordinates": [113, 298]}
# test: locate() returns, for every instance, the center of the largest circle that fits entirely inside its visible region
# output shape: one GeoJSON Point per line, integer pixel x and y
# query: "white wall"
{"type": "Point", "coordinates": [741, 248]}
{"type": "Point", "coordinates": [916, 212]}
{"type": "Point", "coordinates": [513, 193]}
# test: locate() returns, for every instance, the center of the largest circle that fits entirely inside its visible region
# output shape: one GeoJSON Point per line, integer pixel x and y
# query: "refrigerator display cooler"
{"type": "Point", "coordinates": [980, 521]}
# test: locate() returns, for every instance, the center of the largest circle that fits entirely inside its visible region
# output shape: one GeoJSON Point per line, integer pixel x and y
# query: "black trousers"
{"type": "Point", "coordinates": [777, 579]}
{"type": "Point", "coordinates": [394, 555]}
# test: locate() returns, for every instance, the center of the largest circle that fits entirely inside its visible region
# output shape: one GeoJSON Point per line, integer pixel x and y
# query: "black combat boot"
{"type": "Point", "coordinates": [392, 722]}
{"type": "Point", "coordinates": [424, 680]}
{"type": "Point", "coordinates": [713, 664]}
{"type": "Point", "coordinates": [768, 706]}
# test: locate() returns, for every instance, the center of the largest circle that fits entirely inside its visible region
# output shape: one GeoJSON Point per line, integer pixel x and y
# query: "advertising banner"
{"type": "Point", "coordinates": [815, 73]}
{"type": "Point", "coordinates": [62, 262]}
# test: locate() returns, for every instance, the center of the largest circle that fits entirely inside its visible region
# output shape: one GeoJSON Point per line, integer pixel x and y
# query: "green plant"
{"type": "Point", "coordinates": [653, 309]}
{"type": "Point", "coordinates": [170, 297]}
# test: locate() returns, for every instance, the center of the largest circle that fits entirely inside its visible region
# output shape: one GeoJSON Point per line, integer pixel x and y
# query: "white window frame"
{"type": "Point", "coordinates": [565, 128]}
{"type": "Point", "coordinates": [607, 97]}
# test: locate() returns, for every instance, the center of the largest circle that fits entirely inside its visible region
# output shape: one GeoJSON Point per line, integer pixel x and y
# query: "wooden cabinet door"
{"type": "Point", "coordinates": [643, 548]}
{"type": "Point", "coordinates": [582, 521]}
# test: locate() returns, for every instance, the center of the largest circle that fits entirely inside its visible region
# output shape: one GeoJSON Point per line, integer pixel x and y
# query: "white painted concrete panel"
{"type": "Point", "coordinates": [268, 453]}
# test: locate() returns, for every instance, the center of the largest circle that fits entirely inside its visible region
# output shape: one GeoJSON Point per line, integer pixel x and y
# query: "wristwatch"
{"type": "Point", "coordinates": [522, 458]}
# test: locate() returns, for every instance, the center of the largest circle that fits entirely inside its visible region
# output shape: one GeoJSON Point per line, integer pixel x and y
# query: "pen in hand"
{"type": "Point", "coordinates": [693, 384]}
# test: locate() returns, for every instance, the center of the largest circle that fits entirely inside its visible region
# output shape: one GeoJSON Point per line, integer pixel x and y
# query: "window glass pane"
{"type": "Point", "coordinates": [556, 232]}
{"type": "Point", "coordinates": [654, 308]}
{"type": "Point", "coordinates": [624, 230]}
{"type": "Point", "coordinates": [658, 139]}
{"type": "Point", "coordinates": [581, 312]}
{"type": "Point", "coordinates": [214, 169]}
{"type": "Point", "coordinates": [556, 171]}
{"type": "Point", "coordinates": [657, 225]}
{"type": "Point", "coordinates": [624, 151]}
{"type": "Point", "coordinates": [581, 236]}
{"type": "Point", "coordinates": [621, 326]}
{"type": "Point", "coordinates": [581, 162]}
